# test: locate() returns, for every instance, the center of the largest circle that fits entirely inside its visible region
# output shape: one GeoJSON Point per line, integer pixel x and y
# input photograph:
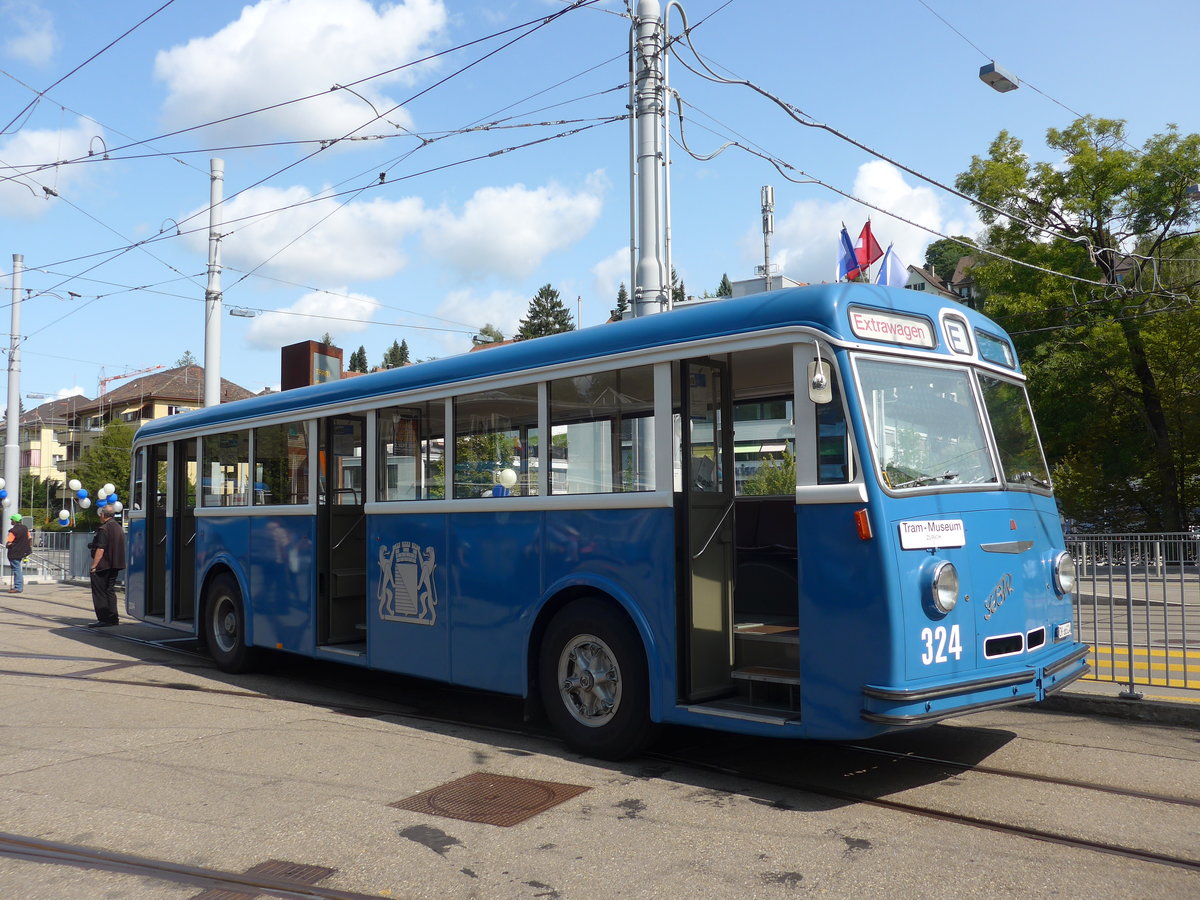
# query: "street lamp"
{"type": "Point", "coordinates": [998, 78]}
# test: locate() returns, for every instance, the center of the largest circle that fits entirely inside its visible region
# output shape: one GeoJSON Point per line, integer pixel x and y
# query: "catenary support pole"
{"type": "Point", "coordinates": [648, 294]}
{"type": "Point", "coordinates": [212, 296]}
{"type": "Point", "coordinates": [12, 437]}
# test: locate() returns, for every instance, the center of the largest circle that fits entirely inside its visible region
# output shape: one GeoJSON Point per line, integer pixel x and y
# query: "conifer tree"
{"type": "Point", "coordinates": [546, 315]}
{"type": "Point", "coordinates": [725, 288]}
{"type": "Point", "coordinates": [622, 306]}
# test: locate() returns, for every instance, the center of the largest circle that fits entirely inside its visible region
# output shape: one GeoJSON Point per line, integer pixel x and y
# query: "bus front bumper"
{"type": "Point", "coordinates": [923, 706]}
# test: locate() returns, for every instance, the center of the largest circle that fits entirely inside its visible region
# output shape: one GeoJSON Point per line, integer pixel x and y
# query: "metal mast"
{"type": "Point", "coordinates": [649, 294]}
{"type": "Point", "coordinates": [212, 296]}
{"type": "Point", "coordinates": [768, 220]}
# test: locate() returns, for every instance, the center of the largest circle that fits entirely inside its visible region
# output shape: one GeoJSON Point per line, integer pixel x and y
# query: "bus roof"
{"type": "Point", "coordinates": [821, 307]}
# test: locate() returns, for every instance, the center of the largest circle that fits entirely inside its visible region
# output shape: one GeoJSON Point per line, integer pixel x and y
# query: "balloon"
{"type": "Point", "coordinates": [112, 498]}
{"type": "Point", "coordinates": [3, 493]}
{"type": "Point", "coordinates": [80, 494]}
{"type": "Point", "coordinates": [84, 503]}
{"type": "Point", "coordinates": [508, 477]}
{"type": "Point", "coordinates": [101, 494]}
{"type": "Point", "coordinates": [117, 507]}
{"type": "Point", "coordinates": [64, 516]}
{"type": "Point", "coordinates": [108, 488]}
{"type": "Point", "coordinates": [74, 484]}
{"type": "Point", "coordinates": [1, 482]}
{"type": "Point", "coordinates": [6, 503]}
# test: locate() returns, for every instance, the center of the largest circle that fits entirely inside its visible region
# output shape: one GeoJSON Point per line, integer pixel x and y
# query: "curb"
{"type": "Point", "coordinates": [1158, 712]}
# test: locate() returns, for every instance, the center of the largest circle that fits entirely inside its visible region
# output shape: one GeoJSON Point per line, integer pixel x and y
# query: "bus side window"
{"type": "Point", "coordinates": [602, 431]}
{"type": "Point", "coordinates": [411, 452]}
{"type": "Point", "coordinates": [226, 469]}
{"type": "Point", "coordinates": [833, 446]}
{"type": "Point", "coordinates": [495, 431]}
{"type": "Point", "coordinates": [281, 464]}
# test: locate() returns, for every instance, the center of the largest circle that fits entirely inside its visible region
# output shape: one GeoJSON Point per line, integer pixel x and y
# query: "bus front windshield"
{"type": "Point", "coordinates": [925, 425]}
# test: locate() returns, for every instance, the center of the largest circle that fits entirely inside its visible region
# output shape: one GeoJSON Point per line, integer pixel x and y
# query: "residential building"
{"type": "Point", "coordinates": [41, 453]}
{"type": "Point", "coordinates": [920, 279]}
{"type": "Point", "coordinates": [165, 393]}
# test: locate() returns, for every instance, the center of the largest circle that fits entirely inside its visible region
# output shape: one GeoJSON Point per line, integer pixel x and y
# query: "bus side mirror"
{"type": "Point", "coordinates": [820, 381]}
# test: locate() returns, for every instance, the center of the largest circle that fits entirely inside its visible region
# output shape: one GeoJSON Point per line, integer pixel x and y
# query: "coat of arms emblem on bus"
{"type": "Point", "coordinates": [406, 592]}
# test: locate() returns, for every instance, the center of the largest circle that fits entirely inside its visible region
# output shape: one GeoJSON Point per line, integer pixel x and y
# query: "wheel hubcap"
{"type": "Point", "coordinates": [589, 681]}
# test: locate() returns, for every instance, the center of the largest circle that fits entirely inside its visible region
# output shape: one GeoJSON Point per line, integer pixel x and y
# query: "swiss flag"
{"type": "Point", "coordinates": [867, 250]}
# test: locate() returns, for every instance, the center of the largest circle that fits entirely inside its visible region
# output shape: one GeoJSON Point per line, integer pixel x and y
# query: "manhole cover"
{"type": "Point", "coordinates": [490, 799]}
{"type": "Point", "coordinates": [273, 872]}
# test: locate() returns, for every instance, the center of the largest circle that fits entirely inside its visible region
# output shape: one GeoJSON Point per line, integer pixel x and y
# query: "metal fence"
{"type": "Point", "coordinates": [57, 556]}
{"type": "Point", "coordinates": [1138, 605]}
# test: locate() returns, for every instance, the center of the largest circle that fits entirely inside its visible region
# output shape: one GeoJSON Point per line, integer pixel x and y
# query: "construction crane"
{"type": "Point", "coordinates": [103, 382]}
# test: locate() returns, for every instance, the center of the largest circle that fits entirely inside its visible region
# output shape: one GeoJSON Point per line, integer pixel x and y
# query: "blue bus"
{"type": "Point", "coordinates": [820, 512]}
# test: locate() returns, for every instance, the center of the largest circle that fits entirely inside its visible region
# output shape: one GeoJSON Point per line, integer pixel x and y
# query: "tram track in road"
{"type": "Point", "coordinates": [935, 762]}
{"type": "Point", "coordinates": [1021, 831]}
{"type": "Point", "coordinates": [236, 884]}
{"type": "Point", "coordinates": [355, 701]}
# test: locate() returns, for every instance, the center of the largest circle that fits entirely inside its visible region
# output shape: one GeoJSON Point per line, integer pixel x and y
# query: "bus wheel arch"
{"type": "Point", "coordinates": [223, 622]}
{"type": "Point", "coordinates": [593, 675]}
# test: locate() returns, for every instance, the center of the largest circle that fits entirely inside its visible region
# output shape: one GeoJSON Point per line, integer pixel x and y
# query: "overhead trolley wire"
{"type": "Point", "coordinates": [40, 94]}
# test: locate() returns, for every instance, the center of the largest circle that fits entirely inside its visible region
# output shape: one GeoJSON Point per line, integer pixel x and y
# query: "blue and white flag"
{"type": "Point", "coordinates": [892, 273]}
{"type": "Point", "coordinates": [847, 258]}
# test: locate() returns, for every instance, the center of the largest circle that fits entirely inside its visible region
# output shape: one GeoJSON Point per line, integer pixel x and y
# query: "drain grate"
{"type": "Point", "coordinates": [490, 799]}
{"type": "Point", "coordinates": [272, 871]}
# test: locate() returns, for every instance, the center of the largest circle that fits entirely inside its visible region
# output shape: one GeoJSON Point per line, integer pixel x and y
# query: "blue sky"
{"type": "Point", "coordinates": [467, 225]}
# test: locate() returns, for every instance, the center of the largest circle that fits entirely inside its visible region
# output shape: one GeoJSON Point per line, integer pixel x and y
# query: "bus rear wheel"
{"type": "Point", "coordinates": [594, 680]}
{"type": "Point", "coordinates": [225, 626]}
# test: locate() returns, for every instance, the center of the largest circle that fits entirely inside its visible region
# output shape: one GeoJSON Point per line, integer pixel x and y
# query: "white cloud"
{"type": "Point", "coordinates": [805, 242]}
{"type": "Point", "coordinates": [63, 393]}
{"type": "Point", "coordinates": [23, 198]}
{"type": "Point", "coordinates": [502, 309]}
{"type": "Point", "coordinates": [508, 231]}
{"type": "Point", "coordinates": [278, 50]}
{"type": "Point", "coordinates": [320, 240]}
{"type": "Point", "coordinates": [30, 35]}
{"type": "Point", "coordinates": [310, 317]}
{"type": "Point", "coordinates": [610, 273]}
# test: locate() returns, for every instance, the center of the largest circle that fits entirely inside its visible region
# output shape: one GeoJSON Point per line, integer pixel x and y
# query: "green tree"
{"type": "Point", "coordinates": [188, 359]}
{"type": "Point", "coordinates": [405, 357]}
{"type": "Point", "coordinates": [773, 478]}
{"type": "Point", "coordinates": [942, 256]}
{"type": "Point", "coordinates": [488, 334]}
{"type": "Point", "coordinates": [1114, 364]}
{"type": "Point", "coordinates": [106, 462]}
{"type": "Point", "coordinates": [358, 360]}
{"type": "Point", "coordinates": [622, 308]}
{"type": "Point", "coordinates": [393, 356]}
{"type": "Point", "coordinates": [547, 314]}
{"type": "Point", "coordinates": [725, 288]}
{"type": "Point", "coordinates": [327, 340]}
{"type": "Point", "coordinates": [678, 291]}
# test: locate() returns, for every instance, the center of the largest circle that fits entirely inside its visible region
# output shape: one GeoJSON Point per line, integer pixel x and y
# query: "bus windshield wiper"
{"type": "Point", "coordinates": [926, 479]}
{"type": "Point", "coordinates": [1030, 478]}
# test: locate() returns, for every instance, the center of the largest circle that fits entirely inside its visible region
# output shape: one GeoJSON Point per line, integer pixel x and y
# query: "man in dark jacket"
{"type": "Point", "coordinates": [19, 547]}
{"type": "Point", "coordinates": [108, 559]}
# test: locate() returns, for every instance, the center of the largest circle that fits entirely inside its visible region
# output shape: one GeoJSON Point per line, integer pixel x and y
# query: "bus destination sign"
{"type": "Point", "coordinates": [875, 325]}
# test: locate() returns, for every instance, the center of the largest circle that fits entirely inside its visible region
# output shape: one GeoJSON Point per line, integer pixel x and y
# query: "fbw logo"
{"type": "Point", "coordinates": [406, 589]}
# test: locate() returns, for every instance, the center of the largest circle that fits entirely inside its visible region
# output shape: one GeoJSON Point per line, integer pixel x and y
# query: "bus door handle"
{"type": "Point", "coordinates": [720, 522]}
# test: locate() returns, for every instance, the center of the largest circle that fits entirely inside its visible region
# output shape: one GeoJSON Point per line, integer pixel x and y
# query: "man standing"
{"type": "Point", "coordinates": [19, 547]}
{"type": "Point", "coordinates": [108, 559]}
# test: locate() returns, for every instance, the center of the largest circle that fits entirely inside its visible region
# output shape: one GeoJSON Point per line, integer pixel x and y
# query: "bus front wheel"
{"type": "Point", "coordinates": [225, 626]}
{"type": "Point", "coordinates": [594, 680]}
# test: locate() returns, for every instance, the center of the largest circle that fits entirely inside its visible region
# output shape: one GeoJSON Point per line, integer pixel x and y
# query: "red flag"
{"type": "Point", "coordinates": [867, 250]}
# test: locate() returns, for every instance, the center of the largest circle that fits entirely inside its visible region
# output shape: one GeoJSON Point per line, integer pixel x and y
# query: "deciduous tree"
{"type": "Point", "coordinates": [1112, 354]}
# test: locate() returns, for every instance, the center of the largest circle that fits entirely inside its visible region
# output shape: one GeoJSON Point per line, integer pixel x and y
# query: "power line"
{"type": "Point", "coordinates": [109, 45]}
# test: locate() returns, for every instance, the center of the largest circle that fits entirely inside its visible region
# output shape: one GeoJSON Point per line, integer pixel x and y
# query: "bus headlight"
{"type": "Point", "coordinates": [1064, 573]}
{"type": "Point", "coordinates": [944, 587]}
